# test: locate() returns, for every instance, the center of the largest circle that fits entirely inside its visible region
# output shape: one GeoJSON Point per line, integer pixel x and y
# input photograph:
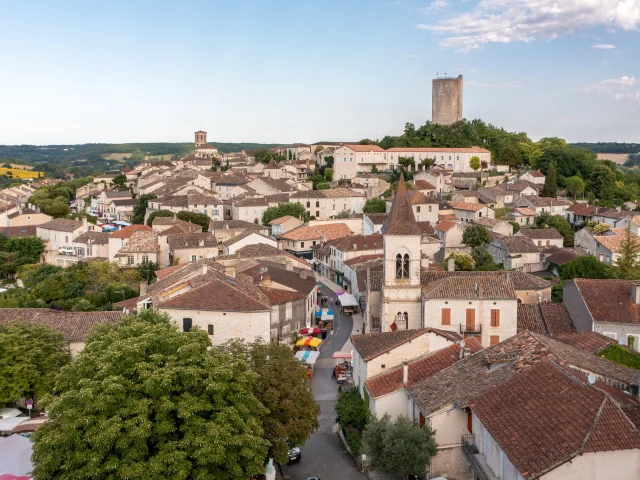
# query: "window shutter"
{"type": "Point", "coordinates": [495, 318]}
{"type": "Point", "coordinates": [446, 316]}
{"type": "Point", "coordinates": [493, 339]}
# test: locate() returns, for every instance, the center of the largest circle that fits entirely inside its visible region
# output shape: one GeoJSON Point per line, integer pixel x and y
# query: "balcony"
{"type": "Point", "coordinates": [476, 460]}
{"type": "Point", "coordinates": [471, 329]}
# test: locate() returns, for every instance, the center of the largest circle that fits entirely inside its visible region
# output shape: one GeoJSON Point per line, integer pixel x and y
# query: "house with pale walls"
{"type": "Point", "coordinates": [425, 187]}
{"type": "Point", "coordinates": [425, 208]}
{"type": "Point", "coordinates": [610, 307]}
{"type": "Point", "coordinates": [373, 222]}
{"type": "Point", "coordinates": [534, 176]}
{"type": "Point", "coordinates": [104, 179]}
{"type": "Point", "coordinates": [376, 353]}
{"type": "Point", "coordinates": [245, 301]}
{"type": "Point", "coordinates": [119, 238]}
{"type": "Point", "coordinates": [249, 209]}
{"type": "Point", "coordinates": [325, 204]}
{"type": "Point", "coordinates": [190, 202]}
{"type": "Point", "coordinates": [301, 240]}
{"type": "Point", "coordinates": [270, 186]}
{"type": "Point", "coordinates": [294, 150]}
{"type": "Point", "coordinates": [386, 391]}
{"type": "Point", "coordinates": [521, 189]}
{"type": "Point", "coordinates": [165, 256]}
{"type": "Point", "coordinates": [91, 245]}
{"type": "Point", "coordinates": [481, 306]}
{"type": "Point", "coordinates": [355, 273]}
{"type": "Point", "coordinates": [373, 185]}
{"type": "Point", "coordinates": [453, 403]}
{"type": "Point", "coordinates": [141, 247]}
{"type": "Point", "coordinates": [27, 216]}
{"type": "Point", "coordinates": [346, 248]}
{"type": "Point", "coordinates": [274, 171]}
{"type": "Point", "coordinates": [453, 159]}
{"type": "Point", "coordinates": [541, 205]}
{"type": "Point", "coordinates": [517, 253]}
{"type": "Point", "coordinates": [351, 159]}
{"type": "Point", "coordinates": [470, 212]}
{"type": "Point", "coordinates": [249, 237]}
{"type": "Point", "coordinates": [614, 218]}
{"type": "Point", "coordinates": [58, 235]}
{"type": "Point", "coordinates": [106, 197]}
{"type": "Point", "coordinates": [73, 326]}
{"type": "Point", "coordinates": [450, 233]}
{"type": "Point", "coordinates": [121, 209]}
{"type": "Point", "coordinates": [284, 224]}
{"type": "Point", "coordinates": [438, 178]}
{"type": "Point", "coordinates": [543, 237]}
{"type": "Point", "coordinates": [191, 247]}
{"type": "Point", "coordinates": [523, 216]}
{"type": "Point", "coordinates": [608, 244]}
{"type": "Point", "coordinates": [499, 227]}
{"type": "Point", "coordinates": [227, 229]}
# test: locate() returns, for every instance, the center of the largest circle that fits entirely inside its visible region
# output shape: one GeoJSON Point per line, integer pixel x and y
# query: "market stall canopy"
{"type": "Point", "coordinates": [346, 355]}
{"type": "Point", "coordinates": [309, 342]}
{"type": "Point", "coordinates": [30, 426]}
{"type": "Point", "coordinates": [311, 331]}
{"type": "Point", "coordinates": [10, 418]}
{"type": "Point", "coordinates": [15, 456]}
{"type": "Point", "coordinates": [308, 356]}
{"type": "Point", "coordinates": [348, 300]}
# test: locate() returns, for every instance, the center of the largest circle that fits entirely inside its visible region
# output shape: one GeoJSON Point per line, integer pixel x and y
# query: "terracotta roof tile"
{"type": "Point", "coordinates": [518, 244]}
{"type": "Point", "coordinates": [445, 225]}
{"type": "Point", "coordinates": [418, 370]}
{"type": "Point", "coordinates": [478, 287]}
{"type": "Point", "coordinates": [614, 242]}
{"type": "Point", "coordinates": [126, 232]}
{"type": "Point", "coordinates": [356, 147]}
{"type": "Point", "coordinates": [556, 318]}
{"type": "Point", "coordinates": [95, 238]}
{"type": "Point", "coordinates": [362, 259]}
{"type": "Point", "coordinates": [423, 185]}
{"type": "Point", "coordinates": [591, 342]}
{"type": "Point", "coordinates": [526, 211]}
{"type": "Point", "coordinates": [469, 207]}
{"type": "Point", "coordinates": [61, 225]}
{"type": "Point", "coordinates": [372, 345]}
{"type": "Point", "coordinates": [546, 233]}
{"type": "Point", "coordinates": [281, 220]}
{"type": "Point", "coordinates": [325, 232]}
{"type": "Point", "coordinates": [192, 240]}
{"type": "Point", "coordinates": [165, 272]}
{"type": "Point", "coordinates": [530, 318]}
{"type": "Point", "coordinates": [141, 241]}
{"type": "Point", "coordinates": [609, 300]}
{"type": "Point", "coordinates": [17, 232]}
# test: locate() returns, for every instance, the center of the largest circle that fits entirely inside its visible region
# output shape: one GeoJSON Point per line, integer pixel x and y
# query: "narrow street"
{"type": "Point", "coordinates": [323, 455]}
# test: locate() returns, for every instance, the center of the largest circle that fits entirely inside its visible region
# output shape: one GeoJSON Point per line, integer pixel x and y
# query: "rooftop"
{"type": "Point", "coordinates": [93, 238]}
{"type": "Point", "coordinates": [126, 232]}
{"type": "Point", "coordinates": [517, 244]}
{"type": "Point", "coordinates": [141, 241]}
{"type": "Point", "coordinates": [469, 207]}
{"type": "Point", "coordinates": [372, 345]}
{"type": "Point", "coordinates": [61, 225]}
{"type": "Point", "coordinates": [325, 232]}
{"type": "Point", "coordinates": [544, 233]}
{"type": "Point", "coordinates": [401, 220]}
{"type": "Point", "coordinates": [609, 300]}
{"type": "Point", "coordinates": [470, 287]}
{"type": "Point", "coordinates": [192, 240]}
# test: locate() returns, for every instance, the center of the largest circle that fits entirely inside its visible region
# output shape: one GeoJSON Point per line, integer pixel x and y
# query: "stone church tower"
{"type": "Point", "coordinates": [400, 301]}
{"type": "Point", "coordinates": [201, 138]}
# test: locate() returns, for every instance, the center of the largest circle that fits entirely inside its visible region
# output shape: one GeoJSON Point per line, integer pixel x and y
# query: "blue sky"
{"type": "Point", "coordinates": [310, 70]}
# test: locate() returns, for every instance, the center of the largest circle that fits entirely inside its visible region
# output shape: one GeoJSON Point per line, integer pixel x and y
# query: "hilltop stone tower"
{"type": "Point", "coordinates": [201, 138]}
{"type": "Point", "coordinates": [446, 100]}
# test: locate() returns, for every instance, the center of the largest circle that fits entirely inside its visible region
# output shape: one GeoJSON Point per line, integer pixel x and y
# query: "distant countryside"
{"type": "Point", "coordinates": [618, 158]}
{"type": "Point", "coordinates": [20, 173]}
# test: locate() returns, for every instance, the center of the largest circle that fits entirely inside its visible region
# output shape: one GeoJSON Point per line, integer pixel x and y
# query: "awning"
{"type": "Point", "coordinates": [342, 355]}
{"type": "Point", "coordinates": [15, 456]}
{"type": "Point", "coordinates": [348, 300]}
{"type": "Point", "coordinates": [309, 342]}
{"type": "Point", "coordinates": [308, 356]}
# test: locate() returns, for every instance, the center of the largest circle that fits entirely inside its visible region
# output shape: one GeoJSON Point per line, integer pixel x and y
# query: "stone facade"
{"type": "Point", "coordinates": [446, 100]}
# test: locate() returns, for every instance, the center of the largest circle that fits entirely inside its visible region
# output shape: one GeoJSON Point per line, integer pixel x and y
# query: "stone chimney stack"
{"type": "Point", "coordinates": [405, 372]}
{"type": "Point", "coordinates": [290, 265]}
{"type": "Point", "coordinates": [265, 281]}
{"type": "Point", "coordinates": [230, 271]}
{"type": "Point", "coordinates": [205, 268]}
{"type": "Point", "coordinates": [143, 288]}
{"type": "Point", "coordinates": [451, 264]}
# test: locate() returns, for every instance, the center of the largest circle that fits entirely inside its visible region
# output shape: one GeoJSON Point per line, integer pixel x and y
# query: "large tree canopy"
{"type": "Point", "coordinates": [294, 209]}
{"type": "Point", "coordinates": [147, 401]}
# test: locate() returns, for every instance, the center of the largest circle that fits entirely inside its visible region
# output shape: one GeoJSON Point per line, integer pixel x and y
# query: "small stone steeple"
{"type": "Point", "coordinates": [401, 220]}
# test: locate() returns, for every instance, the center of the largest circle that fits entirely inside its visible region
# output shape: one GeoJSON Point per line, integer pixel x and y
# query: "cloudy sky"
{"type": "Point", "coordinates": [308, 70]}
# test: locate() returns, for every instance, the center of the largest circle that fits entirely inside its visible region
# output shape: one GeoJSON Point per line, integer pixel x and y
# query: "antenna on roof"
{"type": "Point", "coordinates": [591, 378]}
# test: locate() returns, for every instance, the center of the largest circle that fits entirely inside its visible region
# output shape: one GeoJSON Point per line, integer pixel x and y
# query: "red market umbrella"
{"type": "Point", "coordinates": [310, 331]}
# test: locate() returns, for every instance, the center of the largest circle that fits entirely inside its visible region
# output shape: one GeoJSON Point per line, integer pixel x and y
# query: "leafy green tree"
{"type": "Point", "coordinates": [603, 183]}
{"type": "Point", "coordinates": [322, 186]}
{"type": "Point", "coordinates": [328, 174]}
{"type": "Point", "coordinates": [140, 208]}
{"type": "Point", "coordinates": [352, 409]}
{"type": "Point", "coordinates": [516, 227]}
{"type": "Point", "coordinates": [158, 213]}
{"type": "Point", "coordinates": [575, 185]}
{"type": "Point", "coordinates": [32, 355]}
{"type": "Point", "coordinates": [375, 205]}
{"type": "Point", "coordinates": [550, 188]}
{"type": "Point", "coordinates": [628, 263]}
{"type": "Point", "coordinates": [282, 387]}
{"type": "Point", "coordinates": [59, 208]}
{"type": "Point", "coordinates": [145, 400]}
{"type": "Point", "coordinates": [483, 259]}
{"type": "Point", "coordinates": [294, 209]}
{"type": "Point", "coordinates": [462, 261]}
{"type": "Point", "coordinates": [475, 163]}
{"type": "Point", "coordinates": [586, 267]}
{"type": "Point", "coordinates": [120, 182]}
{"type": "Point", "coordinates": [197, 218]}
{"type": "Point", "coordinates": [476, 235]}
{"type": "Point", "coordinates": [558, 222]}
{"type": "Point", "coordinates": [592, 198]}
{"type": "Point", "coordinates": [343, 214]}
{"type": "Point", "coordinates": [400, 447]}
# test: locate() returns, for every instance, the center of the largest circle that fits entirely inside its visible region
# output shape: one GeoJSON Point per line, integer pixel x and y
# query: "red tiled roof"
{"type": "Point", "coordinates": [362, 259]}
{"type": "Point", "coordinates": [470, 207]}
{"type": "Point", "coordinates": [419, 370]}
{"type": "Point", "coordinates": [582, 209]}
{"type": "Point", "coordinates": [126, 232]}
{"type": "Point", "coordinates": [609, 300]}
{"type": "Point", "coordinates": [445, 225]}
{"type": "Point", "coordinates": [536, 173]}
{"type": "Point", "coordinates": [423, 185]}
{"type": "Point", "coordinates": [556, 318]}
{"type": "Point", "coordinates": [326, 232]}
{"type": "Point", "coordinates": [356, 147]}
{"type": "Point", "coordinates": [165, 272]}
{"type": "Point", "coordinates": [216, 295]}
{"type": "Point", "coordinates": [372, 345]}
{"type": "Point", "coordinates": [588, 341]}
{"type": "Point", "coordinates": [543, 417]}
{"type": "Point", "coordinates": [277, 296]}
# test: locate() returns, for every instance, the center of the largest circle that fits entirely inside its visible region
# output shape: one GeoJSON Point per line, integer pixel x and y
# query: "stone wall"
{"type": "Point", "coordinates": [446, 100]}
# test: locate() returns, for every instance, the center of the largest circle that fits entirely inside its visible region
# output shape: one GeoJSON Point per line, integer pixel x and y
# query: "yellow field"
{"type": "Point", "coordinates": [618, 158]}
{"type": "Point", "coordinates": [20, 173]}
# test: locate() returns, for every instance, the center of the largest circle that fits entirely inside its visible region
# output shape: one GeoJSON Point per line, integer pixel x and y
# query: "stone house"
{"type": "Point", "coordinates": [523, 216]}
{"type": "Point", "coordinates": [91, 245]}
{"type": "Point", "coordinates": [27, 216]}
{"type": "Point", "coordinates": [284, 224]}
{"type": "Point", "coordinates": [191, 247]}
{"type": "Point", "coordinates": [249, 237]}
{"type": "Point", "coordinates": [470, 212]}
{"type": "Point", "coordinates": [301, 240]}
{"type": "Point", "coordinates": [517, 253]}
{"type": "Point", "coordinates": [58, 235]}
{"type": "Point", "coordinates": [541, 205]}
{"type": "Point", "coordinates": [118, 238]}
{"type": "Point", "coordinates": [496, 226]}
{"type": "Point", "coordinates": [450, 233]}
{"type": "Point", "coordinates": [533, 176]}
{"type": "Point", "coordinates": [543, 237]}
{"type": "Point", "coordinates": [325, 204]}
{"type": "Point", "coordinates": [141, 247]}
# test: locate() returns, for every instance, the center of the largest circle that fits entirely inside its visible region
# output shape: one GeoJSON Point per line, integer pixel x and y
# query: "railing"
{"type": "Point", "coordinates": [376, 325]}
{"type": "Point", "coordinates": [470, 451]}
{"type": "Point", "coordinates": [471, 329]}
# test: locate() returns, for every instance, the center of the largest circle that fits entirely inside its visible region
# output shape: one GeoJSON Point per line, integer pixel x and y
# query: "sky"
{"type": "Point", "coordinates": [283, 71]}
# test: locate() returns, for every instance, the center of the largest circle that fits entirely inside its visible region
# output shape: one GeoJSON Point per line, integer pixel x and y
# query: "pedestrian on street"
{"type": "Point", "coordinates": [333, 375]}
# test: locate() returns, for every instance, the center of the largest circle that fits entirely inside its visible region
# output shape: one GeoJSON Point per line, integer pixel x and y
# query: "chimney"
{"type": "Point", "coordinates": [451, 265]}
{"type": "Point", "coordinates": [175, 216]}
{"type": "Point", "coordinates": [143, 288]}
{"type": "Point", "coordinates": [201, 243]}
{"type": "Point", "coordinates": [265, 280]}
{"type": "Point", "coordinates": [230, 271]}
{"type": "Point", "coordinates": [424, 263]}
{"type": "Point", "coordinates": [303, 274]}
{"type": "Point", "coordinates": [405, 373]}
{"type": "Point", "coordinates": [635, 293]}
{"type": "Point", "coordinates": [85, 223]}
{"type": "Point", "coordinates": [204, 269]}
{"type": "Point", "coordinates": [290, 265]}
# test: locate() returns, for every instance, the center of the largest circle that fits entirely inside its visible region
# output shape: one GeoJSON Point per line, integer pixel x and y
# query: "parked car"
{"type": "Point", "coordinates": [295, 455]}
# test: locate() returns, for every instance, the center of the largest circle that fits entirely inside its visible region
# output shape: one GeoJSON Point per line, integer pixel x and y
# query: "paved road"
{"type": "Point", "coordinates": [323, 455]}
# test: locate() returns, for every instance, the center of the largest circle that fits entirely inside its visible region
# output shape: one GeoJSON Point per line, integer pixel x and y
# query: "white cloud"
{"type": "Point", "coordinates": [412, 55]}
{"type": "Point", "coordinates": [612, 84]}
{"type": "Point", "coordinates": [466, 69]}
{"type": "Point", "coordinates": [508, 21]}
{"type": "Point", "coordinates": [605, 46]}
{"type": "Point", "coordinates": [434, 6]}
{"type": "Point", "coordinates": [473, 83]}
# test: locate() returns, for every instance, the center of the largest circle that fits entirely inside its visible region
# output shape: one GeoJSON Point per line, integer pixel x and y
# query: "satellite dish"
{"type": "Point", "coordinates": [462, 343]}
{"type": "Point", "coordinates": [591, 378]}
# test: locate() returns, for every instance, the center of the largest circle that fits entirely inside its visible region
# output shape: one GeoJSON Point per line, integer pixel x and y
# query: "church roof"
{"type": "Point", "coordinates": [401, 220]}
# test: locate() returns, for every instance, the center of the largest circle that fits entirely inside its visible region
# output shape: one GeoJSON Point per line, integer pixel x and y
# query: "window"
{"type": "Point", "coordinates": [495, 317]}
{"type": "Point", "coordinates": [479, 214]}
{"type": "Point", "coordinates": [194, 258]}
{"type": "Point", "coordinates": [405, 316]}
{"type": "Point", "coordinates": [429, 208]}
{"type": "Point", "coordinates": [130, 260]}
{"type": "Point", "coordinates": [418, 209]}
{"type": "Point", "coordinates": [446, 316]}
{"type": "Point", "coordinates": [210, 329]}
{"type": "Point", "coordinates": [471, 318]}
{"type": "Point", "coordinates": [186, 324]}
{"type": "Point", "coordinates": [493, 339]}
{"type": "Point", "coordinates": [308, 204]}
{"type": "Point", "coordinates": [402, 266]}
{"type": "Point", "coordinates": [145, 258]}
{"type": "Point", "coordinates": [66, 239]}
{"type": "Point", "coordinates": [548, 242]}
{"type": "Point", "coordinates": [317, 213]}
{"type": "Point", "coordinates": [301, 244]}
